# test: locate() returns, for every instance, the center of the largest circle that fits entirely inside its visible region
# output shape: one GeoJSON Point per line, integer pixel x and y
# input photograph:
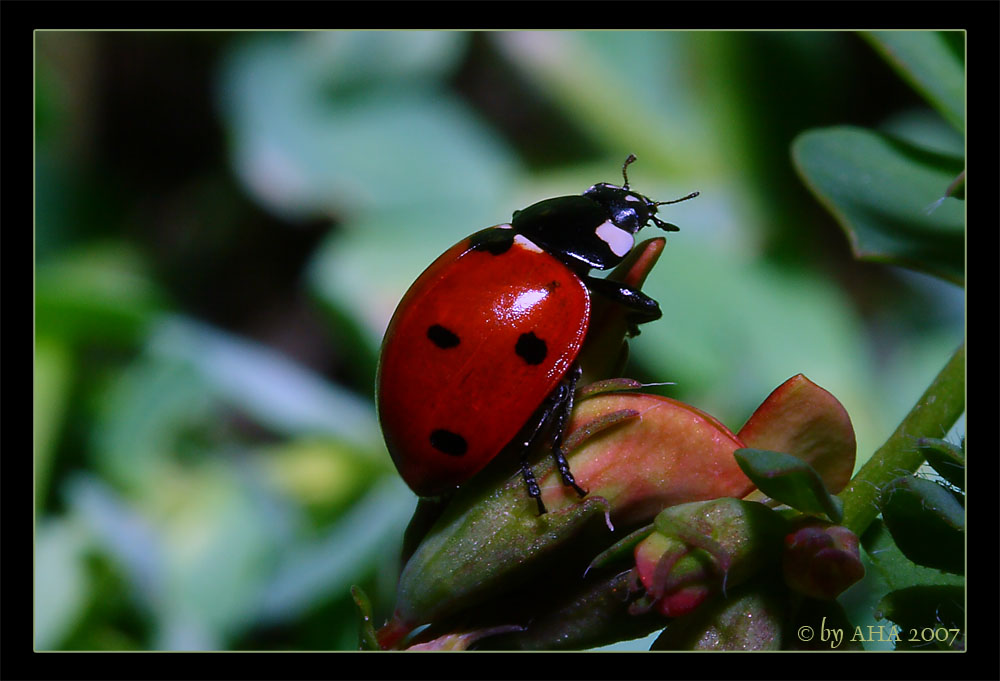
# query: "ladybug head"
{"type": "Point", "coordinates": [631, 211]}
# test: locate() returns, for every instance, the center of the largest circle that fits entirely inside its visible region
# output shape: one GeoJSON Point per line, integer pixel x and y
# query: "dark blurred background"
{"type": "Point", "coordinates": [225, 222]}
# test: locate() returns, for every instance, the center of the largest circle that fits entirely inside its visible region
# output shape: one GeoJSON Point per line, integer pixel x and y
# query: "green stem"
{"type": "Point", "coordinates": [936, 411]}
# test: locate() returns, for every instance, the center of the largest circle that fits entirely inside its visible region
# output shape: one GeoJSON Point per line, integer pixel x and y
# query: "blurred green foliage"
{"type": "Point", "coordinates": [225, 222]}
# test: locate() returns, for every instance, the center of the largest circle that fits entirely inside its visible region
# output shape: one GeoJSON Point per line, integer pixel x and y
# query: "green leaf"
{"type": "Point", "coordinates": [926, 129]}
{"type": "Point", "coordinates": [580, 73]}
{"type": "Point", "coordinates": [123, 534]}
{"type": "Point", "coordinates": [61, 580]}
{"type": "Point", "coordinates": [53, 378]}
{"type": "Point", "coordinates": [265, 384]}
{"type": "Point", "coordinates": [926, 522]}
{"type": "Point", "coordinates": [366, 629]}
{"type": "Point", "coordinates": [889, 197]}
{"type": "Point", "coordinates": [945, 458]}
{"type": "Point", "coordinates": [932, 65]}
{"type": "Point", "coordinates": [323, 475]}
{"type": "Point", "coordinates": [897, 570]}
{"type": "Point", "coordinates": [352, 121]}
{"type": "Point", "coordinates": [931, 617]}
{"type": "Point", "coordinates": [146, 418]}
{"type": "Point", "coordinates": [99, 293]}
{"type": "Point", "coordinates": [789, 480]}
{"type": "Point", "coordinates": [361, 540]}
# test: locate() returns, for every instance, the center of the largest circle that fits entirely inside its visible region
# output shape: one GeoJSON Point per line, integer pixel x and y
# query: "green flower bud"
{"type": "Point", "coordinates": [676, 580]}
{"type": "Point", "coordinates": [596, 614]}
{"type": "Point", "coordinates": [478, 550]}
{"type": "Point", "coordinates": [702, 548]}
{"type": "Point", "coordinates": [748, 618]}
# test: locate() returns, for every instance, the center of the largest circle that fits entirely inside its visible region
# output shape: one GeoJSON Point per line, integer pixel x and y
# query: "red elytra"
{"type": "Point", "coordinates": [474, 348]}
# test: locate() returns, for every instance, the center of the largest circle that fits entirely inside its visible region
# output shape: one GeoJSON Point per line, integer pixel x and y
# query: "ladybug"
{"type": "Point", "coordinates": [483, 347]}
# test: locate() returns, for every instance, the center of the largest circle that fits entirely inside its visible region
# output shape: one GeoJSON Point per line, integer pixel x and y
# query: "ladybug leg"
{"type": "Point", "coordinates": [642, 308]}
{"type": "Point", "coordinates": [529, 477]}
{"type": "Point", "coordinates": [532, 484]}
{"type": "Point", "coordinates": [564, 406]}
{"type": "Point", "coordinates": [555, 412]}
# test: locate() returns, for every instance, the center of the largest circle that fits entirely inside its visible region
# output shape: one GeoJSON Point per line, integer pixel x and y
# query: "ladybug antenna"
{"type": "Point", "coordinates": [683, 198]}
{"type": "Point", "coordinates": [630, 159]}
{"type": "Point", "coordinates": [666, 226]}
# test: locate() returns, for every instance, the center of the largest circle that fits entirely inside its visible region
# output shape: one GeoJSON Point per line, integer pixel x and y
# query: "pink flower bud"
{"type": "Point", "coordinates": [822, 561]}
{"type": "Point", "coordinates": [670, 453]}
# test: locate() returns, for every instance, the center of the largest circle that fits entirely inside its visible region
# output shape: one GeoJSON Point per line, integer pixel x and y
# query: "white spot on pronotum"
{"type": "Point", "coordinates": [635, 199]}
{"type": "Point", "coordinates": [505, 225]}
{"type": "Point", "coordinates": [527, 243]}
{"type": "Point", "coordinates": [618, 240]}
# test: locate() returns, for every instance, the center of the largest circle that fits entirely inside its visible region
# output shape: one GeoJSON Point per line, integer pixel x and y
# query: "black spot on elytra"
{"type": "Point", "coordinates": [494, 241]}
{"type": "Point", "coordinates": [442, 337]}
{"type": "Point", "coordinates": [531, 348]}
{"type": "Point", "coordinates": [448, 442]}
